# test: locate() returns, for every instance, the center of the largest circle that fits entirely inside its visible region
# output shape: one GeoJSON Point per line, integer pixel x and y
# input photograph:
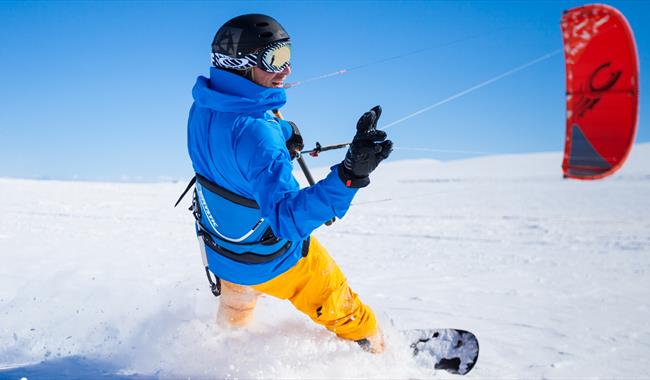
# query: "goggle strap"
{"type": "Point", "coordinates": [222, 60]}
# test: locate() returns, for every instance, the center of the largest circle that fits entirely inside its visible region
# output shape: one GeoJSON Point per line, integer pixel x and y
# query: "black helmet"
{"type": "Point", "coordinates": [237, 42]}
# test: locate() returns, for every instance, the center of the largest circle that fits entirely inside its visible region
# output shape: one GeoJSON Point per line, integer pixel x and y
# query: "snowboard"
{"type": "Point", "coordinates": [455, 351]}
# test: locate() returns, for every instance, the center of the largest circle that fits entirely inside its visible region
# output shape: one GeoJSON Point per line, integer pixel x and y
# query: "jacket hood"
{"type": "Point", "coordinates": [228, 92]}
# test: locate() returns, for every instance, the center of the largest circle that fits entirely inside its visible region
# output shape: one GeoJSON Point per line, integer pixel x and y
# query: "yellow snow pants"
{"type": "Point", "coordinates": [315, 286]}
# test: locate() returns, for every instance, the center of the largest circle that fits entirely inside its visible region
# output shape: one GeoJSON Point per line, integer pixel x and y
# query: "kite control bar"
{"type": "Point", "coordinates": [319, 148]}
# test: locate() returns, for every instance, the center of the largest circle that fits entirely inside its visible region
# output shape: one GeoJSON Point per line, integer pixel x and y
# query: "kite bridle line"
{"type": "Point", "coordinates": [319, 148]}
{"type": "Point", "coordinates": [386, 59]}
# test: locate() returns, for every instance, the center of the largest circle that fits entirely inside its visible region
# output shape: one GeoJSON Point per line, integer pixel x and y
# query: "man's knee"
{"type": "Point", "coordinates": [237, 305]}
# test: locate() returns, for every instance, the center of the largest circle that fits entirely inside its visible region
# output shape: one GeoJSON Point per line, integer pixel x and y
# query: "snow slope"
{"type": "Point", "coordinates": [103, 279]}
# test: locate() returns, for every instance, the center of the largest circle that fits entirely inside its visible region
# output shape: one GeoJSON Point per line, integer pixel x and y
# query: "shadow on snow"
{"type": "Point", "coordinates": [71, 368]}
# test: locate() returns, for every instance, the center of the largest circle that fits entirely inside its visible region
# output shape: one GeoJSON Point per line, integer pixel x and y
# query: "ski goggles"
{"type": "Point", "coordinates": [273, 58]}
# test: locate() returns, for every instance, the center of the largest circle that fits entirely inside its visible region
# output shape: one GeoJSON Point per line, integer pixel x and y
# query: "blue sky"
{"type": "Point", "coordinates": [101, 90]}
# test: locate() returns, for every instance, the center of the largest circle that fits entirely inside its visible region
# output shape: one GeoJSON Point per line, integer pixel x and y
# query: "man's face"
{"type": "Point", "coordinates": [272, 80]}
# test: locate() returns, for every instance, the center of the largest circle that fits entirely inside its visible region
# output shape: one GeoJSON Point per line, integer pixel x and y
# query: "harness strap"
{"type": "Point", "coordinates": [244, 257]}
{"type": "Point", "coordinates": [221, 191]}
{"type": "Point", "coordinates": [225, 193]}
{"type": "Point", "coordinates": [189, 185]}
{"type": "Point", "coordinates": [215, 285]}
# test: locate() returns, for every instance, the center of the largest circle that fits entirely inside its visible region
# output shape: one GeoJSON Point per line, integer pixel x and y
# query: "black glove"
{"type": "Point", "coordinates": [294, 144]}
{"type": "Point", "coordinates": [368, 148]}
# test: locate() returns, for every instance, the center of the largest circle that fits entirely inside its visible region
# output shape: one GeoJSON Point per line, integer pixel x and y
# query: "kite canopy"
{"type": "Point", "coordinates": [602, 80]}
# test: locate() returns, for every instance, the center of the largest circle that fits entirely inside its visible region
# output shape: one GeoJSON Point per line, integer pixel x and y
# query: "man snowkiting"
{"type": "Point", "coordinates": [253, 221]}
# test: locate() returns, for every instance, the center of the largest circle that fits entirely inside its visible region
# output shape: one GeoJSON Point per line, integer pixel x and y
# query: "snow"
{"type": "Point", "coordinates": [552, 275]}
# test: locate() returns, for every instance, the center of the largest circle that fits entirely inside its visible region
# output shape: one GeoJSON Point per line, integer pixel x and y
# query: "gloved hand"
{"type": "Point", "coordinates": [368, 148]}
{"type": "Point", "coordinates": [295, 143]}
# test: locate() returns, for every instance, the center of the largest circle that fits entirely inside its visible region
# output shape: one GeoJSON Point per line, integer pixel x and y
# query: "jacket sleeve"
{"type": "Point", "coordinates": [291, 212]}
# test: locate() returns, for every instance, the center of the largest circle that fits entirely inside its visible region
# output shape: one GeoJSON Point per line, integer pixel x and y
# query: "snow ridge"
{"type": "Point", "coordinates": [552, 275]}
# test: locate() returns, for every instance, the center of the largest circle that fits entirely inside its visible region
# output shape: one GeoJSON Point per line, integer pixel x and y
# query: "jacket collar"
{"type": "Point", "coordinates": [228, 92]}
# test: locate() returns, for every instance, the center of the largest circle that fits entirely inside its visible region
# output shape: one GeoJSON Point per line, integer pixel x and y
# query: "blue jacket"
{"type": "Point", "coordinates": [235, 143]}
